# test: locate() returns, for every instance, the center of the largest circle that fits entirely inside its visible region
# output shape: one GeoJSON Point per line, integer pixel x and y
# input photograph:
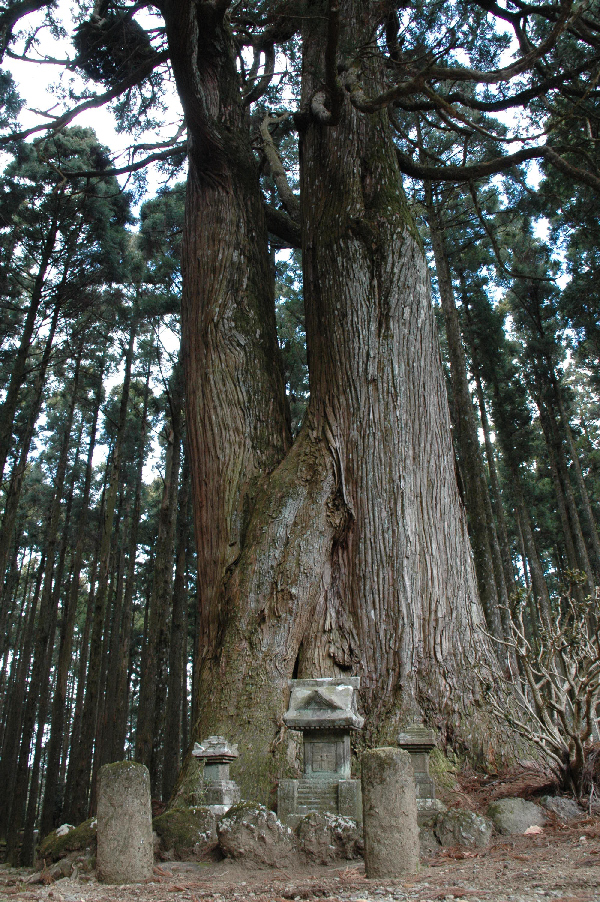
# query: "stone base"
{"type": "Point", "coordinates": [297, 798]}
{"type": "Point", "coordinates": [425, 786]}
{"type": "Point", "coordinates": [430, 806]}
{"type": "Point", "coordinates": [221, 792]}
{"type": "Point", "coordinates": [219, 810]}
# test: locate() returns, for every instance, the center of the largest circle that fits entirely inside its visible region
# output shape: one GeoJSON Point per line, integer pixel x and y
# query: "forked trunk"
{"type": "Point", "coordinates": [348, 552]}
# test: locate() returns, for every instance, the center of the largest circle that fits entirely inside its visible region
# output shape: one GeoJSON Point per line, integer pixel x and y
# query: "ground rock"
{"type": "Point", "coordinates": [253, 833]}
{"type": "Point", "coordinates": [61, 843]}
{"type": "Point", "coordinates": [564, 809]}
{"type": "Point", "coordinates": [325, 838]}
{"type": "Point", "coordinates": [458, 827]}
{"type": "Point", "coordinates": [429, 844]}
{"type": "Point", "coordinates": [515, 815]}
{"type": "Point", "coordinates": [186, 834]}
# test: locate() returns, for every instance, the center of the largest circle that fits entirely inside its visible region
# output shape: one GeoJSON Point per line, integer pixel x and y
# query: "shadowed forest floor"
{"type": "Point", "coordinates": [561, 863]}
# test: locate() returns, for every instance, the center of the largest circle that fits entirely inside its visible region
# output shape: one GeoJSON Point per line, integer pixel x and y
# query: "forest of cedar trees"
{"type": "Point", "coordinates": [302, 383]}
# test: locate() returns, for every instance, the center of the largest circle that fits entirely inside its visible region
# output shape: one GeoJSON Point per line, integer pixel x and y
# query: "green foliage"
{"type": "Point", "coordinates": [160, 236]}
{"type": "Point", "coordinates": [10, 102]}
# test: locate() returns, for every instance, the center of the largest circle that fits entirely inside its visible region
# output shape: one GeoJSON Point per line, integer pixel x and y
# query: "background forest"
{"type": "Point", "coordinates": [98, 608]}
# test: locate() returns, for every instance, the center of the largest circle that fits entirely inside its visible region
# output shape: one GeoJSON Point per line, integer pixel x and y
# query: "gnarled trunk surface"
{"type": "Point", "coordinates": [348, 551]}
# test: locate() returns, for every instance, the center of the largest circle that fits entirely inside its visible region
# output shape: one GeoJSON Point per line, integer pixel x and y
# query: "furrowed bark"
{"type": "Point", "coordinates": [402, 597]}
{"type": "Point", "coordinates": [351, 554]}
{"type": "Point", "coordinates": [467, 441]}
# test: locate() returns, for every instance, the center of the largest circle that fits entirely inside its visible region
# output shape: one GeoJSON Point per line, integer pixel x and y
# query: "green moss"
{"type": "Point", "coordinates": [189, 832]}
{"type": "Point", "coordinates": [443, 769]}
{"type": "Point", "coordinates": [189, 790]}
{"type": "Point", "coordinates": [242, 807]}
{"type": "Point", "coordinates": [83, 837]}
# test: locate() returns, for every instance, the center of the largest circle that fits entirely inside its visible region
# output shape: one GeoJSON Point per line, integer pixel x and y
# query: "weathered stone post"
{"type": "Point", "coordinates": [419, 741]}
{"type": "Point", "coordinates": [124, 823]}
{"type": "Point", "coordinates": [389, 814]}
{"type": "Point", "coordinates": [220, 793]}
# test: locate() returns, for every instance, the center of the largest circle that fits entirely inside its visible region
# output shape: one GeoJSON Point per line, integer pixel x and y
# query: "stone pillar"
{"type": "Point", "coordinates": [220, 793]}
{"type": "Point", "coordinates": [389, 814]}
{"type": "Point", "coordinates": [287, 799]}
{"type": "Point", "coordinates": [418, 741]}
{"type": "Point", "coordinates": [124, 824]}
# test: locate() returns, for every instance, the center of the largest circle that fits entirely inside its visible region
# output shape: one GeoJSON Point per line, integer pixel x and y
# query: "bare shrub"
{"type": "Point", "coordinates": [552, 700]}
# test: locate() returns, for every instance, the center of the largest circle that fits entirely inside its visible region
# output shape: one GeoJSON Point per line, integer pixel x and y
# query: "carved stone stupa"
{"type": "Point", "coordinates": [325, 711]}
{"type": "Point", "coordinates": [219, 791]}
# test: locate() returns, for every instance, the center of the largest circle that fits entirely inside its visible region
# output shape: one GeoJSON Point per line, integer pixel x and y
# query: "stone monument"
{"type": "Point", "coordinates": [220, 792]}
{"type": "Point", "coordinates": [418, 741]}
{"type": "Point", "coordinates": [390, 814]}
{"type": "Point", "coordinates": [125, 847]}
{"type": "Point", "coordinates": [325, 712]}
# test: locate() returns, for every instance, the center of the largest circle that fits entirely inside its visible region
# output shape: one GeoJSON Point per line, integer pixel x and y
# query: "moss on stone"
{"type": "Point", "coordinates": [242, 807]}
{"type": "Point", "coordinates": [188, 832]}
{"type": "Point", "coordinates": [443, 769]}
{"type": "Point", "coordinates": [55, 847]}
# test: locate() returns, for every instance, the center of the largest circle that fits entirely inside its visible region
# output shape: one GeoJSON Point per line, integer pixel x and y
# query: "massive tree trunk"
{"type": "Point", "coordinates": [348, 552]}
{"type": "Point", "coordinates": [466, 438]}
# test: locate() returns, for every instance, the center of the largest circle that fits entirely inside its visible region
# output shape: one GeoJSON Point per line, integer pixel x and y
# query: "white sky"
{"type": "Point", "coordinates": [35, 85]}
{"type": "Point", "coordinates": [36, 82]}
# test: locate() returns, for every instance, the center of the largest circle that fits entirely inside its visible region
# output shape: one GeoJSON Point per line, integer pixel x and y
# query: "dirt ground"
{"type": "Point", "coordinates": [561, 863]}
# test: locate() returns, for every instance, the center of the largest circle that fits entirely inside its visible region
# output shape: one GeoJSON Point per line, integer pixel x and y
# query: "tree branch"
{"type": "Point", "coordinates": [98, 100]}
{"type": "Point", "coordinates": [284, 228]}
{"type": "Point", "coordinates": [287, 196]}
{"type": "Point", "coordinates": [417, 83]}
{"type": "Point", "coordinates": [333, 92]}
{"type": "Point", "coordinates": [11, 14]}
{"type": "Point", "coordinates": [574, 172]}
{"type": "Point", "coordinates": [466, 173]}
{"type": "Point", "coordinates": [130, 167]}
{"type": "Point", "coordinates": [263, 83]}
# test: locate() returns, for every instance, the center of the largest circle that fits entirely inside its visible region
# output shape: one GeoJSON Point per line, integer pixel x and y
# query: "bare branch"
{"type": "Point", "coordinates": [287, 196]}
{"type": "Point", "coordinates": [285, 229]}
{"type": "Point", "coordinates": [263, 83]}
{"type": "Point", "coordinates": [91, 103]}
{"type": "Point", "coordinates": [159, 157]}
{"type": "Point", "coordinates": [467, 173]}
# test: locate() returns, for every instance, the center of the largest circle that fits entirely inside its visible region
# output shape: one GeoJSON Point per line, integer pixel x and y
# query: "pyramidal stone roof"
{"type": "Point", "coordinates": [324, 704]}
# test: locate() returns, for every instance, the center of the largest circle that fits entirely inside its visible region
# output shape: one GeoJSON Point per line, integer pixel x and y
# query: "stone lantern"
{"type": "Point", "coordinates": [325, 712]}
{"type": "Point", "coordinates": [217, 754]}
{"type": "Point", "coordinates": [418, 741]}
